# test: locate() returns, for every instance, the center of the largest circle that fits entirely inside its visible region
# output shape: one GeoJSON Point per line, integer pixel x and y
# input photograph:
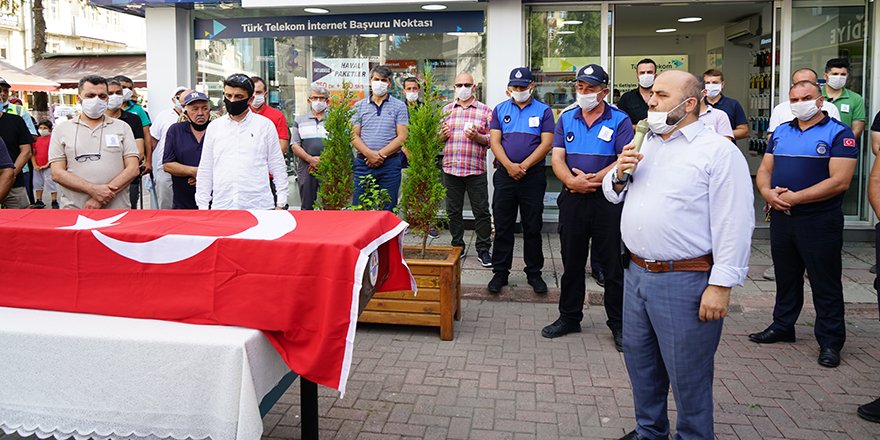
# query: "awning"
{"type": "Point", "coordinates": [69, 69]}
{"type": "Point", "coordinates": [21, 80]}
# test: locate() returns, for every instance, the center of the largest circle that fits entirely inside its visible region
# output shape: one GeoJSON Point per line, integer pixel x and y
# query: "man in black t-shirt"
{"type": "Point", "coordinates": [115, 101]}
{"type": "Point", "coordinates": [18, 139]}
{"type": "Point", "coordinates": [635, 101]}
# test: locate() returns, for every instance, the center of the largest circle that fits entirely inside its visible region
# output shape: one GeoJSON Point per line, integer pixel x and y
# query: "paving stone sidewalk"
{"type": "Point", "coordinates": [499, 379]}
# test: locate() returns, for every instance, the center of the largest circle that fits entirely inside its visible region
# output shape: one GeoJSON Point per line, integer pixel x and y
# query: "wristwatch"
{"type": "Point", "coordinates": [615, 180]}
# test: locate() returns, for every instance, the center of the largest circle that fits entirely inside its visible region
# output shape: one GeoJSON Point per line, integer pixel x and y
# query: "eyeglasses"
{"type": "Point", "coordinates": [239, 79]}
{"type": "Point", "coordinates": [87, 157]}
{"type": "Point", "coordinates": [468, 85]}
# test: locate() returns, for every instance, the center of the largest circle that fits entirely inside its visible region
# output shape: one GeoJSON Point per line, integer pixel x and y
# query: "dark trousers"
{"type": "Point", "coordinates": [134, 192]}
{"type": "Point", "coordinates": [583, 217]}
{"type": "Point", "coordinates": [29, 184]}
{"type": "Point", "coordinates": [477, 189]}
{"type": "Point", "coordinates": [525, 196]}
{"type": "Point", "coordinates": [813, 242]}
{"type": "Point", "coordinates": [387, 177]}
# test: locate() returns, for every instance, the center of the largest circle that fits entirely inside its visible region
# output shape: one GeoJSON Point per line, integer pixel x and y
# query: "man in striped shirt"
{"type": "Point", "coordinates": [466, 132]}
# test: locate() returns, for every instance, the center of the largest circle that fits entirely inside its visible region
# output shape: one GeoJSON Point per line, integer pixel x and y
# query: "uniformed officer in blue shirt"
{"type": "Point", "coordinates": [807, 169]}
{"type": "Point", "coordinates": [589, 136]}
{"type": "Point", "coordinates": [521, 131]}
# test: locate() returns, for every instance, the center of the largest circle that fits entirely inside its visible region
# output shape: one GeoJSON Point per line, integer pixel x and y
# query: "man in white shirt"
{"type": "Point", "coordinates": [240, 149]}
{"type": "Point", "coordinates": [782, 114]}
{"type": "Point", "coordinates": [715, 120]}
{"type": "Point", "coordinates": [165, 119]}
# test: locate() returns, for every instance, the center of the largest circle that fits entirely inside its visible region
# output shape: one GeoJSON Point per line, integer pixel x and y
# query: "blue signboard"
{"type": "Point", "coordinates": [326, 25]}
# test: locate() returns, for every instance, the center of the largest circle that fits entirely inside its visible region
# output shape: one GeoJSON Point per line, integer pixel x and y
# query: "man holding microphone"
{"type": "Point", "coordinates": [687, 222]}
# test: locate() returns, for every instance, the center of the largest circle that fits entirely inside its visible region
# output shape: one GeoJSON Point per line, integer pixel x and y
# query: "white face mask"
{"type": "Point", "coordinates": [412, 96]}
{"type": "Point", "coordinates": [804, 110]}
{"type": "Point", "coordinates": [659, 121]}
{"type": "Point", "coordinates": [713, 90]}
{"type": "Point", "coordinates": [521, 96]}
{"type": "Point", "coordinates": [463, 93]}
{"type": "Point", "coordinates": [44, 132]}
{"type": "Point", "coordinates": [126, 95]}
{"type": "Point", "coordinates": [94, 108]}
{"type": "Point", "coordinates": [259, 100]}
{"type": "Point", "coordinates": [588, 101]}
{"type": "Point", "coordinates": [319, 106]}
{"type": "Point", "coordinates": [646, 80]}
{"type": "Point", "coordinates": [114, 102]}
{"type": "Point", "coordinates": [836, 82]}
{"type": "Point", "coordinates": [380, 88]}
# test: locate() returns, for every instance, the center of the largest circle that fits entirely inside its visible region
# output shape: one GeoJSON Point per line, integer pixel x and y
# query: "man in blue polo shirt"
{"type": "Point", "coordinates": [183, 150]}
{"type": "Point", "coordinates": [589, 136]}
{"type": "Point", "coordinates": [803, 177]}
{"type": "Point", "coordinates": [380, 126]}
{"type": "Point", "coordinates": [521, 132]}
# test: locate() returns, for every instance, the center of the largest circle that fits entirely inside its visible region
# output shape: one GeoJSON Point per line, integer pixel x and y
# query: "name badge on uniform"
{"type": "Point", "coordinates": [534, 121]}
{"type": "Point", "coordinates": [844, 108]}
{"type": "Point", "coordinates": [605, 134]}
{"type": "Point", "coordinates": [112, 140]}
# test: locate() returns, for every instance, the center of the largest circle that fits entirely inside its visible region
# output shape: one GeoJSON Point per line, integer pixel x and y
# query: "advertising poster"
{"type": "Point", "coordinates": [625, 78]}
{"type": "Point", "coordinates": [332, 72]}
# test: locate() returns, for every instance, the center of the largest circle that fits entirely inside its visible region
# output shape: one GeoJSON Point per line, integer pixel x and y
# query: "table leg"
{"type": "Point", "coordinates": [308, 400]}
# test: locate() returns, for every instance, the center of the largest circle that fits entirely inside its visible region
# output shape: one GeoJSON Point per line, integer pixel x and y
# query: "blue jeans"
{"type": "Point", "coordinates": [665, 343]}
{"type": "Point", "coordinates": [387, 176]}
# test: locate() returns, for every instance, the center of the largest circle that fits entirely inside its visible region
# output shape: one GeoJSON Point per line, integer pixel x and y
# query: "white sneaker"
{"type": "Point", "coordinates": [770, 273]}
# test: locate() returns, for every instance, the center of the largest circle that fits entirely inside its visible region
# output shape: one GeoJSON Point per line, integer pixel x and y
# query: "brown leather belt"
{"type": "Point", "coordinates": [699, 264]}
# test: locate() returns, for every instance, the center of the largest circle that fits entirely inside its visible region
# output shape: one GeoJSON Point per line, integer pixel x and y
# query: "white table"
{"type": "Point", "coordinates": [75, 375]}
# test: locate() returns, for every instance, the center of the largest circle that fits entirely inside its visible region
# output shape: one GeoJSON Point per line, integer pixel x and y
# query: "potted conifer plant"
{"type": "Point", "coordinates": [436, 269]}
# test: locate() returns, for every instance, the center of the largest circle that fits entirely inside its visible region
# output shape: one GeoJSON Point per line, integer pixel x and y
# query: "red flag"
{"type": "Point", "coordinates": [294, 275]}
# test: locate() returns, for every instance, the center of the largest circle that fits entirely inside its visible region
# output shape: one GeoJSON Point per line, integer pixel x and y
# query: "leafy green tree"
{"type": "Point", "coordinates": [336, 167]}
{"type": "Point", "coordinates": [374, 197]}
{"type": "Point", "coordinates": [423, 191]}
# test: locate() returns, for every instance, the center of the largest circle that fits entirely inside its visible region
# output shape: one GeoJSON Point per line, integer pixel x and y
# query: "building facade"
{"type": "Point", "coordinates": [292, 43]}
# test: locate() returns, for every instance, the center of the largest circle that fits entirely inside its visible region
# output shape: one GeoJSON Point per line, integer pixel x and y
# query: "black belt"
{"type": "Point", "coordinates": [361, 155]}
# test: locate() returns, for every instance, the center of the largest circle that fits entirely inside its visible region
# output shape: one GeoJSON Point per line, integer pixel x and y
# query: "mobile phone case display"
{"type": "Point", "coordinates": [761, 82]}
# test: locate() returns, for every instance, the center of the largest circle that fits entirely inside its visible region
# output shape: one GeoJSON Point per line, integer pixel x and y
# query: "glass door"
{"type": "Point", "coordinates": [838, 29]}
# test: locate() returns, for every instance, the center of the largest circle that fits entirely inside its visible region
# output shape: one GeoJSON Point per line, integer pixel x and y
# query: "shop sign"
{"type": "Point", "coordinates": [328, 25]}
{"type": "Point", "coordinates": [331, 73]}
{"type": "Point", "coordinates": [625, 77]}
{"type": "Point", "coordinates": [301, 3]}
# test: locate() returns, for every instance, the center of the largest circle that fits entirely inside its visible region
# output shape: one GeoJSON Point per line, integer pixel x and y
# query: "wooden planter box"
{"type": "Point", "coordinates": [437, 302]}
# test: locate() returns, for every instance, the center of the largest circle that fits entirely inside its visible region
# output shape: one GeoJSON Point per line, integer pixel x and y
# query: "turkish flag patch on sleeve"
{"type": "Point", "coordinates": [849, 142]}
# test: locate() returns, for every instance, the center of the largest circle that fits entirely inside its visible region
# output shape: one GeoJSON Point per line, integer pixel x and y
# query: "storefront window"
{"type": "Point", "coordinates": [820, 33]}
{"type": "Point", "coordinates": [560, 42]}
{"type": "Point", "coordinates": [291, 64]}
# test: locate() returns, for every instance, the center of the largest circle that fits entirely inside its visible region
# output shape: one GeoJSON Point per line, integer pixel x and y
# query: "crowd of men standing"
{"type": "Point", "coordinates": [667, 203]}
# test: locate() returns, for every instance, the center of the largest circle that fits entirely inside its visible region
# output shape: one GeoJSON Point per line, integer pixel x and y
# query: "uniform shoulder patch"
{"type": "Point", "coordinates": [849, 142]}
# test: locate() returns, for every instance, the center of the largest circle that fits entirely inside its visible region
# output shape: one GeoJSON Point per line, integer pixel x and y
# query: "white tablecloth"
{"type": "Point", "coordinates": [64, 375]}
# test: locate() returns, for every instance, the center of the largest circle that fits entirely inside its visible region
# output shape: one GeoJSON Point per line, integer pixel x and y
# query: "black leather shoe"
{"type": "Point", "coordinates": [560, 327]}
{"type": "Point", "coordinates": [618, 339]}
{"type": "Point", "coordinates": [829, 357]}
{"type": "Point", "coordinates": [772, 336]}
{"type": "Point", "coordinates": [599, 277]}
{"type": "Point", "coordinates": [538, 284]}
{"type": "Point", "coordinates": [498, 281]}
{"type": "Point", "coordinates": [635, 436]}
{"type": "Point", "coordinates": [870, 411]}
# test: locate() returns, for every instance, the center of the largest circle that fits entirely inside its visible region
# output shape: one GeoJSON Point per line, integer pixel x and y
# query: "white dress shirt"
{"type": "Point", "coordinates": [717, 121]}
{"type": "Point", "coordinates": [782, 114]}
{"type": "Point", "coordinates": [237, 158]}
{"type": "Point", "coordinates": [157, 131]}
{"type": "Point", "coordinates": [690, 196]}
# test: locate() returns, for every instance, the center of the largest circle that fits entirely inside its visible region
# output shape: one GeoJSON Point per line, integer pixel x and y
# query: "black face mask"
{"type": "Point", "coordinates": [235, 108]}
{"type": "Point", "coordinates": [199, 127]}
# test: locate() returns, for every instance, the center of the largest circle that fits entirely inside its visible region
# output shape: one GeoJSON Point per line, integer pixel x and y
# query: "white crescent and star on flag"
{"type": "Point", "coordinates": [173, 248]}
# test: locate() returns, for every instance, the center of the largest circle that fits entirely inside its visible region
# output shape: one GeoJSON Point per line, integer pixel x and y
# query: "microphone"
{"type": "Point", "coordinates": [641, 130]}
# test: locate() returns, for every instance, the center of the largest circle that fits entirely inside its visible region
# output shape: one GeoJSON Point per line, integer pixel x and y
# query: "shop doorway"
{"type": "Point", "coordinates": [737, 39]}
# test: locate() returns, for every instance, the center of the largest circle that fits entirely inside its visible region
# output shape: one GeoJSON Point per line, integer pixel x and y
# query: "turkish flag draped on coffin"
{"type": "Point", "coordinates": [296, 276]}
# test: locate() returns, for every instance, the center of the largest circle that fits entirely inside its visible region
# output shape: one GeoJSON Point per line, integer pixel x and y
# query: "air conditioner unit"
{"type": "Point", "coordinates": [749, 27]}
